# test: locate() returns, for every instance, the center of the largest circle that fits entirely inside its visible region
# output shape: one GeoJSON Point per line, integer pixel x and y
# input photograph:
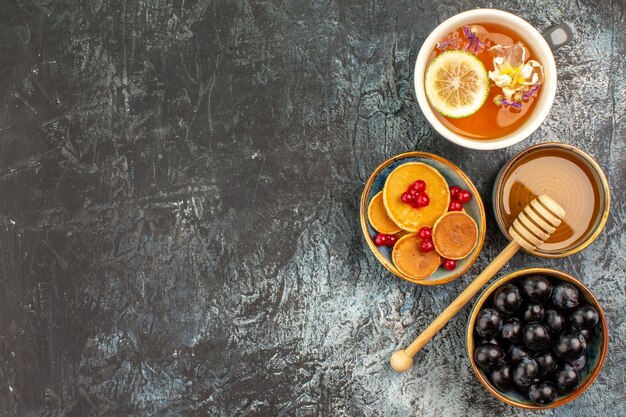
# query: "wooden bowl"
{"type": "Point", "coordinates": [596, 348]}
{"type": "Point", "coordinates": [555, 189]}
{"type": "Point", "coordinates": [454, 176]}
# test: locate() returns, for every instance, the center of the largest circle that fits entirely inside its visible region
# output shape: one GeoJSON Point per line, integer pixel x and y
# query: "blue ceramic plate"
{"type": "Point", "coordinates": [596, 346]}
{"type": "Point", "coordinates": [453, 176]}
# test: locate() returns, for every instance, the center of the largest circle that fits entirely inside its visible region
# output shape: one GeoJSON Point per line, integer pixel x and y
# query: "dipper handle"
{"type": "Point", "coordinates": [546, 215]}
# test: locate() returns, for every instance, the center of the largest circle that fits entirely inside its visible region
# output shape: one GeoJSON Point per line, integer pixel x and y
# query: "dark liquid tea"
{"type": "Point", "coordinates": [564, 177]}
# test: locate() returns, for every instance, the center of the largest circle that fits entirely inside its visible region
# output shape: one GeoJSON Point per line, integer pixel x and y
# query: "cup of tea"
{"type": "Point", "coordinates": [486, 79]}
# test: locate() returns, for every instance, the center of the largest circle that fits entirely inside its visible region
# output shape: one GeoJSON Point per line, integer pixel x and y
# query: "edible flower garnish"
{"type": "Point", "coordinates": [449, 42]}
{"type": "Point", "coordinates": [499, 100]}
{"type": "Point", "coordinates": [469, 38]}
{"type": "Point", "coordinates": [474, 43]}
{"type": "Point", "coordinates": [518, 78]}
{"type": "Point", "coordinates": [530, 92]}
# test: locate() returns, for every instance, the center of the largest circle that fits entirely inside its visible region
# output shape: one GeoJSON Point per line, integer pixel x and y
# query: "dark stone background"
{"type": "Point", "coordinates": [179, 182]}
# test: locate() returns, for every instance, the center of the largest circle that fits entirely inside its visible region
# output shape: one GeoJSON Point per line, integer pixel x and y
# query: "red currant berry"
{"type": "Point", "coordinates": [419, 186]}
{"type": "Point", "coordinates": [463, 196]}
{"type": "Point", "coordinates": [413, 192]}
{"type": "Point", "coordinates": [425, 233]}
{"type": "Point", "coordinates": [381, 240]}
{"type": "Point", "coordinates": [427, 245]}
{"type": "Point", "coordinates": [454, 190]}
{"type": "Point", "coordinates": [391, 240]}
{"type": "Point", "coordinates": [455, 206]}
{"type": "Point", "coordinates": [449, 264]}
{"type": "Point", "coordinates": [423, 200]}
{"type": "Point", "coordinates": [406, 198]}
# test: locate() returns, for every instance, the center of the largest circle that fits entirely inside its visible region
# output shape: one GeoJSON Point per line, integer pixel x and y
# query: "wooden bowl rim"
{"type": "Point", "coordinates": [603, 186]}
{"type": "Point", "coordinates": [389, 265]}
{"type": "Point", "coordinates": [469, 339]}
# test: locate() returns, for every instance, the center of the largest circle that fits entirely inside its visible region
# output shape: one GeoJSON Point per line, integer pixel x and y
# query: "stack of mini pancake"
{"type": "Point", "coordinates": [454, 234]}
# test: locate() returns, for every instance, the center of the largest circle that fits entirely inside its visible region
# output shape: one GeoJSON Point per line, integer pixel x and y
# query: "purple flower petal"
{"type": "Point", "coordinates": [474, 42]}
{"type": "Point", "coordinates": [530, 92]}
{"type": "Point", "coordinates": [511, 103]}
{"type": "Point", "coordinates": [470, 44]}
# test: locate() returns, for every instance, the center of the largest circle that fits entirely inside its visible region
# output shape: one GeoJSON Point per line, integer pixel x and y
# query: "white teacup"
{"type": "Point", "coordinates": [530, 36]}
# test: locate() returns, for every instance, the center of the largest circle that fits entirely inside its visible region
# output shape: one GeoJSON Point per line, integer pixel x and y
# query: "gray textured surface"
{"type": "Point", "coordinates": [178, 206]}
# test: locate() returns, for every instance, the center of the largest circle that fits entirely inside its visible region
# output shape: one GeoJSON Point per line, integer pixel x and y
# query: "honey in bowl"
{"type": "Point", "coordinates": [513, 76]}
{"type": "Point", "coordinates": [569, 178]}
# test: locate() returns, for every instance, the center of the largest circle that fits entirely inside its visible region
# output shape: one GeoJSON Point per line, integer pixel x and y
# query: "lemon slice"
{"type": "Point", "coordinates": [457, 84]}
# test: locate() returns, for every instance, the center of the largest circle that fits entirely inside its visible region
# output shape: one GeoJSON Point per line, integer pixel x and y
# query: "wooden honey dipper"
{"type": "Point", "coordinates": [533, 226]}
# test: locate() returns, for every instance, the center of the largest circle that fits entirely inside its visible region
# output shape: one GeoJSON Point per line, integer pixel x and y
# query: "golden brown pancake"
{"type": "Point", "coordinates": [404, 215]}
{"type": "Point", "coordinates": [377, 215]}
{"type": "Point", "coordinates": [455, 235]}
{"type": "Point", "coordinates": [411, 261]}
{"type": "Point", "coordinates": [402, 233]}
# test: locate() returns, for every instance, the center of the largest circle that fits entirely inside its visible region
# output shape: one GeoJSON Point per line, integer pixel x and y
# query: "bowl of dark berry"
{"type": "Point", "coordinates": [537, 338]}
